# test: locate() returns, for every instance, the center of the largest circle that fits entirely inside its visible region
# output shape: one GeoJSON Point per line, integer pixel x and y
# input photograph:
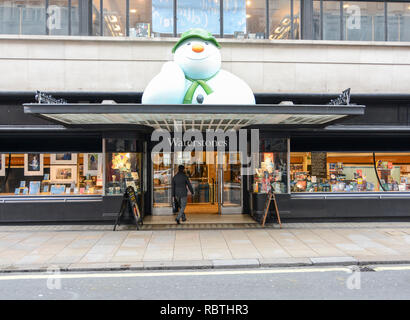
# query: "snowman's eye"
{"type": "Point", "coordinates": [188, 44]}
{"type": "Point", "coordinates": [206, 43]}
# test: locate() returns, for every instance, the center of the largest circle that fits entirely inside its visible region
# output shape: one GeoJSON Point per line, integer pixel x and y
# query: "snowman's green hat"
{"type": "Point", "coordinates": [196, 33]}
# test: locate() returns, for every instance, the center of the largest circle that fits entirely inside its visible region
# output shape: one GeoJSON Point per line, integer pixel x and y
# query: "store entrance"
{"type": "Point", "coordinates": [201, 168]}
{"type": "Point", "coordinates": [217, 187]}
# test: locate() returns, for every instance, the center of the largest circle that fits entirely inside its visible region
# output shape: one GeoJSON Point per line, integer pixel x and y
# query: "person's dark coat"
{"type": "Point", "coordinates": [180, 182]}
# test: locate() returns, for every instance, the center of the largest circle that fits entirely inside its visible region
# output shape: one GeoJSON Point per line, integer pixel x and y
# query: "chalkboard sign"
{"type": "Point", "coordinates": [129, 201]}
{"type": "Point", "coordinates": [319, 164]}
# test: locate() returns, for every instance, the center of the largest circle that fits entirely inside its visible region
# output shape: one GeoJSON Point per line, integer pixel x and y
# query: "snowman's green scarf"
{"type": "Point", "coordinates": [189, 95]}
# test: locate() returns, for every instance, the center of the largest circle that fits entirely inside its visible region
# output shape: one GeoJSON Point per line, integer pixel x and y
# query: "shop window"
{"type": "Point", "coordinates": [55, 174]}
{"type": "Point", "coordinates": [114, 18]}
{"type": "Point", "coordinates": [96, 17]}
{"type": "Point", "coordinates": [271, 175]}
{"type": "Point", "coordinates": [23, 17]}
{"type": "Point", "coordinates": [244, 19]}
{"type": "Point", "coordinates": [363, 21]}
{"type": "Point", "coordinates": [398, 21]}
{"type": "Point", "coordinates": [163, 17]}
{"type": "Point", "coordinates": [140, 18]}
{"type": "Point", "coordinates": [349, 172]}
{"type": "Point", "coordinates": [75, 18]}
{"type": "Point", "coordinates": [317, 33]}
{"type": "Point", "coordinates": [283, 24]}
{"type": "Point", "coordinates": [331, 20]}
{"type": "Point", "coordinates": [57, 17]}
{"type": "Point", "coordinates": [123, 169]}
{"type": "Point", "coordinates": [202, 14]}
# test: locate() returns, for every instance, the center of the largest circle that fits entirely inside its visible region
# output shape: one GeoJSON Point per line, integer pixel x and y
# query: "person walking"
{"type": "Point", "coordinates": [180, 182]}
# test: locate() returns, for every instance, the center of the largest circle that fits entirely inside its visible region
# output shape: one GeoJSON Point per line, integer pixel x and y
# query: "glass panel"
{"type": "Point", "coordinates": [23, 17]}
{"type": "Point", "coordinates": [296, 19]}
{"type": "Point", "coordinates": [114, 18]}
{"type": "Point", "coordinates": [398, 20]}
{"type": "Point", "coordinates": [123, 170]}
{"type": "Point", "coordinates": [231, 180]}
{"type": "Point", "coordinates": [237, 17]}
{"type": "Point", "coordinates": [140, 18]}
{"type": "Point", "coordinates": [202, 174]}
{"type": "Point", "coordinates": [349, 172]}
{"type": "Point", "coordinates": [279, 19]}
{"type": "Point", "coordinates": [162, 18]}
{"type": "Point", "coordinates": [51, 174]}
{"type": "Point", "coordinates": [96, 14]}
{"type": "Point", "coordinates": [331, 20]}
{"type": "Point", "coordinates": [272, 170]}
{"type": "Point", "coordinates": [57, 17]}
{"type": "Point", "coordinates": [363, 20]}
{"type": "Point", "coordinates": [255, 19]}
{"type": "Point", "coordinates": [162, 176]}
{"type": "Point", "coordinates": [316, 20]}
{"type": "Point", "coordinates": [75, 18]}
{"type": "Point", "coordinates": [202, 14]}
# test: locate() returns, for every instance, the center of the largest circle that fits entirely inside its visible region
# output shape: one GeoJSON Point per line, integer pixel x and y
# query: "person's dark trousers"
{"type": "Point", "coordinates": [182, 203]}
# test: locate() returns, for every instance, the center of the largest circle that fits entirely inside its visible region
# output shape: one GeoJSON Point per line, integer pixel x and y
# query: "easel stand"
{"type": "Point", "coordinates": [271, 197]}
{"type": "Point", "coordinates": [129, 203]}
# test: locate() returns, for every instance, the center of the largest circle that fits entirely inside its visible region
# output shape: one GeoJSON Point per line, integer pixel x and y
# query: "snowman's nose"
{"type": "Point", "coordinates": [197, 48]}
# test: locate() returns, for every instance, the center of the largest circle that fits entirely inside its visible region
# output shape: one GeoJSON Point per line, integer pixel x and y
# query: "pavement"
{"type": "Point", "coordinates": [97, 248]}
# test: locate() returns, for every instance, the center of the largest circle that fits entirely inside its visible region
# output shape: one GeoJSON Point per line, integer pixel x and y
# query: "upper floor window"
{"type": "Point", "coordinates": [361, 20]}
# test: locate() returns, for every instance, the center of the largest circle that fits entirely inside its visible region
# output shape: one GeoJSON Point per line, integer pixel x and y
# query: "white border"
{"type": "Point", "coordinates": [3, 165]}
{"type": "Point", "coordinates": [53, 159]}
{"type": "Point", "coordinates": [33, 173]}
{"type": "Point", "coordinates": [53, 173]}
{"type": "Point", "coordinates": [99, 165]}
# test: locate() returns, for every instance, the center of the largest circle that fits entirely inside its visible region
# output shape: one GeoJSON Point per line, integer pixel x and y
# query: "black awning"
{"type": "Point", "coordinates": [193, 116]}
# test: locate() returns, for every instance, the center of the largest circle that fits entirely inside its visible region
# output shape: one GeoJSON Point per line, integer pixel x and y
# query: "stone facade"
{"type": "Point", "coordinates": [50, 63]}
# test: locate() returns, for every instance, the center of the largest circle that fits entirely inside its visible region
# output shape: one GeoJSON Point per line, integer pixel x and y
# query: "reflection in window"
{"type": "Point", "coordinates": [331, 20]}
{"type": "Point", "coordinates": [252, 17]}
{"type": "Point", "coordinates": [280, 20]}
{"type": "Point", "coordinates": [398, 21]}
{"type": "Point", "coordinates": [349, 172]}
{"type": "Point", "coordinates": [96, 18]}
{"type": "Point", "coordinates": [205, 14]}
{"type": "Point", "coordinates": [363, 21]}
{"type": "Point", "coordinates": [114, 18]}
{"type": "Point", "coordinates": [140, 18]}
{"type": "Point", "coordinates": [57, 17]}
{"type": "Point", "coordinates": [163, 17]}
{"type": "Point", "coordinates": [271, 174]}
{"type": "Point", "coordinates": [75, 18]}
{"type": "Point", "coordinates": [53, 174]}
{"type": "Point", "coordinates": [162, 176]}
{"type": "Point", "coordinates": [123, 170]}
{"type": "Point", "coordinates": [316, 20]}
{"type": "Point", "coordinates": [23, 17]}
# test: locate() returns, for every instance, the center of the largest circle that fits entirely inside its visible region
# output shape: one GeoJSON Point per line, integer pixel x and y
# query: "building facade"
{"type": "Point", "coordinates": [73, 164]}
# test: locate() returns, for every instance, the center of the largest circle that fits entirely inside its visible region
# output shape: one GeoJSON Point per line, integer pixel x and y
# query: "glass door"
{"type": "Point", "coordinates": [230, 184]}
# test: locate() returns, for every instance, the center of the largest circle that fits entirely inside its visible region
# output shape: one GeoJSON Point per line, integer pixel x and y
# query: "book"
{"type": "Point", "coordinates": [57, 189]}
{"type": "Point", "coordinates": [34, 187]}
{"type": "Point", "coordinates": [22, 184]}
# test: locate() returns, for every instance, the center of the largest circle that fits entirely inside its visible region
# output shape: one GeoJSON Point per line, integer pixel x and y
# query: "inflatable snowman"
{"type": "Point", "coordinates": [195, 76]}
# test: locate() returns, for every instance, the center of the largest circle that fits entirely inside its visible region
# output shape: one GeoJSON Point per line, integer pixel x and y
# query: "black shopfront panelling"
{"type": "Point", "coordinates": [50, 142]}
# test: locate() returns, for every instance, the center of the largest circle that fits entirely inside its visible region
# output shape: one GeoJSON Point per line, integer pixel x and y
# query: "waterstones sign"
{"type": "Point", "coordinates": [189, 146]}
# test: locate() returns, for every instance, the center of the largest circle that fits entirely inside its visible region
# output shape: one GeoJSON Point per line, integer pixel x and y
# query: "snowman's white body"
{"type": "Point", "coordinates": [171, 84]}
